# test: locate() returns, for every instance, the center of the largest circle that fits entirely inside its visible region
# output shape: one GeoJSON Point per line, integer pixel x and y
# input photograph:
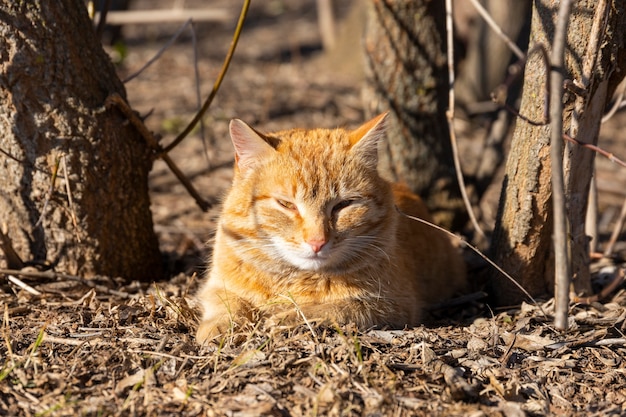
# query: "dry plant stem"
{"type": "Point", "coordinates": [450, 117]}
{"type": "Point", "coordinates": [507, 83]}
{"type": "Point", "coordinates": [494, 26]}
{"type": "Point", "coordinates": [619, 225]}
{"type": "Point", "coordinates": [584, 125]}
{"type": "Point", "coordinates": [55, 275]}
{"type": "Point", "coordinates": [23, 285]}
{"type": "Point", "coordinates": [12, 258]}
{"type": "Point", "coordinates": [218, 81]}
{"type": "Point", "coordinates": [610, 156]}
{"type": "Point", "coordinates": [53, 181]}
{"type": "Point", "coordinates": [120, 103]}
{"type": "Point", "coordinates": [591, 216]}
{"type": "Point", "coordinates": [163, 16]}
{"type": "Point", "coordinates": [159, 52]}
{"type": "Point", "coordinates": [606, 291]}
{"type": "Point", "coordinates": [479, 253]}
{"type": "Point", "coordinates": [596, 149]}
{"type": "Point", "coordinates": [560, 233]}
{"type": "Point", "coordinates": [68, 190]}
{"type": "Point", "coordinates": [196, 73]}
{"type": "Point", "coordinates": [102, 20]}
{"type": "Point", "coordinates": [326, 23]}
{"type": "Point", "coordinates": [619, 101]}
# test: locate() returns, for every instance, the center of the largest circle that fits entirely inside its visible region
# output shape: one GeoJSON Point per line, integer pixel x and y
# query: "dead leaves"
{"type": "Point", "coordinates": [83, 352]}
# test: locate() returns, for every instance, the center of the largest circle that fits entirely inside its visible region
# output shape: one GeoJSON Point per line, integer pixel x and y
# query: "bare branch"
{"type": "Point", "coordinates": [68, 190]}
{"type": "Point", "coordinates": [479, 253]}
{"type": "Point", "coordinates": [12, 258]}
{"type": "Point", "coordinates": [618, 104]}
{"type": "Point", "coordinates": [611, 157]}
{"type": "Point", "coordinates": [560, 237]}
{"type": "Point", "coordinates": [23, 285]}
{"type": "Point", "coordinates": [32, 273]}
{"type": "Point", "coordinates": [499, 95]}
{"type": "Point", "coordinates": [619, 225]}
{"type": "Point", "coordinates": [160, 52]}
{"type": "Point", "coordinates": [124, 107]}
{"type": "Point", "coordinates": [606, 291]}
{"type": "Point", "coordinates": [218, 81]}
{"type": "Point", "coordinates": [129, 17]}
{"type": "Point", "coordinates": [497, 29]}
{"type": "Point", "coordinates": [450, 117]}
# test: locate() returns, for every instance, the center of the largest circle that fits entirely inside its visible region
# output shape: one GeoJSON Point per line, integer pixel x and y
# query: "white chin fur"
{"type": "Point", "coordinates": [303, 257]}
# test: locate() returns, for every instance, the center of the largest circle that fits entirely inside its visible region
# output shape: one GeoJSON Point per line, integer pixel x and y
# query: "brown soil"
{"type": "Point", "coordinates": [109, 347]}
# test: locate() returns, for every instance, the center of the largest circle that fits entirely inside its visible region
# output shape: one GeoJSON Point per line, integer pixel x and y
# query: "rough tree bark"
{"type": "Point", "coordinates": [522, 237]}
{"type": "Point", "coordinates": [406, 70]}
{"type": "Point", "coordinates": [93, 216]}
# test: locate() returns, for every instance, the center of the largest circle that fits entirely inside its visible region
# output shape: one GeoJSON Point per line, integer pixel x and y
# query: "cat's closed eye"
{"type": "Point", "coordinates": [341, 205]}
{"type": "Point", "coordinates": [287, 204]}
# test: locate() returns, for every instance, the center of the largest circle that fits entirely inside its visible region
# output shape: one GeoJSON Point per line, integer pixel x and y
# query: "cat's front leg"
{"type": "Point", "coordinates": [222, 313]}
{"type": "Point", "coordinates": [341, 312]}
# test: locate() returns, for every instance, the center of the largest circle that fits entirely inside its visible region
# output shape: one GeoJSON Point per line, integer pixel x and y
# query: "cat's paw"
{"type": "Point", "coordinates": [293, 316]}
{"type": "Point", "coordinates": [209, 330]}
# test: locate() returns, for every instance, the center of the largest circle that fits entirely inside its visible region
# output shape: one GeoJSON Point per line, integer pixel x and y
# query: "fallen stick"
{"type": "Point", "coordinates": [131, 17]}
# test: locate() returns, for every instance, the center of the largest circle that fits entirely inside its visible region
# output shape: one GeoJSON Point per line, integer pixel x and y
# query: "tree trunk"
{"type": "Point", "coordinates": [406, 70]}
{"type": "Point", "coordinates": [522, 237]}
{"type": "Point", "coordinates": [73, 175]}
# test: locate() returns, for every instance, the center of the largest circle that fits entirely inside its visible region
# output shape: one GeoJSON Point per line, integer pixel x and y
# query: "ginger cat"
{"type": "Point", "coordinates": [310, 228]}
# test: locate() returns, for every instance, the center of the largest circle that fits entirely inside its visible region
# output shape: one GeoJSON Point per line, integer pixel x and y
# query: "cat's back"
{"type": "Point", "coordinates": [428, 254]}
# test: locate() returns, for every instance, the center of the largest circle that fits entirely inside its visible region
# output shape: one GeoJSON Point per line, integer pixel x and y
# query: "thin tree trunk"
{"type": "Point", "coordinates": [406, 72]}
{"type": "Point", "coordinates": [73, 175]}
{"type": "Point", "coordinates": [522, 237]}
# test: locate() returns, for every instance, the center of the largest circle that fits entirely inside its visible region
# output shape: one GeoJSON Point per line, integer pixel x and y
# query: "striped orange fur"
{"type": "Point", "coordinates": [310, 223]}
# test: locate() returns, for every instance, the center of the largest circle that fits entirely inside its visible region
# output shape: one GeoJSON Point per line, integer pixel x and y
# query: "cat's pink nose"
{"type": "Point", "coordinates": [316, 244]}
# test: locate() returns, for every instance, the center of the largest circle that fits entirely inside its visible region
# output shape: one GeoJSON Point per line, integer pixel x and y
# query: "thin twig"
{"type": "Point", "coordinates": [160, 52]}
{"type": "Point", "coordinates": [618, 104]}
{"type": "Point", "coordinates": [479, 253]}
{"type": "Point", "coordinates": [196, 73]}
{"type": "Point", "coordinates": [617, 230]}
{"type": "Point", "coordinates": [611, 157]}
{"type": "Point", "coordinates": [218, 81]}
{"type": "Point", "coordinates": [13, 260]}
{"type": "Point", "coordinates": [561, 247]}
{"type": "Point", "coordinates": [53, 181]}
{"type": "Point", "coordinates": [56, 275]}
{"type": "Point", "coordinates": [591, 215]}
{"type": "Point", "coordinates": [63, 340]}
{"type": "Point", "coordinates": [23, 285]}
{"type": "Point", "coordinates": [102, 18]}
{"type": "Point", "coordinates": [497, 29]}
{"type": "Point", "coordinates": [573, 344]}
{"type": "Point", "coordinates": [499, 98]}
{"type": "Point", "coordinates": [161, 16]}
{"type": "Point", "coordinates": [450, 117]}
{"type": "Point", "coordinates": [301, 314]}
{"type": "Point", "coordinates": [606, 291]}
{"type": "Point", "coordinates": [124, 107]}
{"type": "Point", "coordinates": [70, 200]}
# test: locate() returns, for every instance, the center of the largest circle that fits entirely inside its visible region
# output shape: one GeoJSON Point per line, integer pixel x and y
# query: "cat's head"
{"type": "Point", "coordinates": [311, 199]}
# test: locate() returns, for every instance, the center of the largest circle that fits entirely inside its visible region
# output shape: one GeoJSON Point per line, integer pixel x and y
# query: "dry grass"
{"type": "Point", "coordinates": [75, 351]}
{"type": "Point", "coordinates": [128, 349]}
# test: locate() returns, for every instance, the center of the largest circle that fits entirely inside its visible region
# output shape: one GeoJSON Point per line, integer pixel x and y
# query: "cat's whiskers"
{"type": "Point", "coordinates": [359, 245]}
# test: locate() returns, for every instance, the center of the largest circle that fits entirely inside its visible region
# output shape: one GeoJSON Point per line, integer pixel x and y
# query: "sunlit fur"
{"type": "Point", "coordinates": [308, 222]}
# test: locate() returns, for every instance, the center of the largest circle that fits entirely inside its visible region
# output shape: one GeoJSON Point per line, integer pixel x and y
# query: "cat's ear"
{"type": "Point", "coordinates": [365, 139]}
{"type": "Point", "coordinates": [250, 146]}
